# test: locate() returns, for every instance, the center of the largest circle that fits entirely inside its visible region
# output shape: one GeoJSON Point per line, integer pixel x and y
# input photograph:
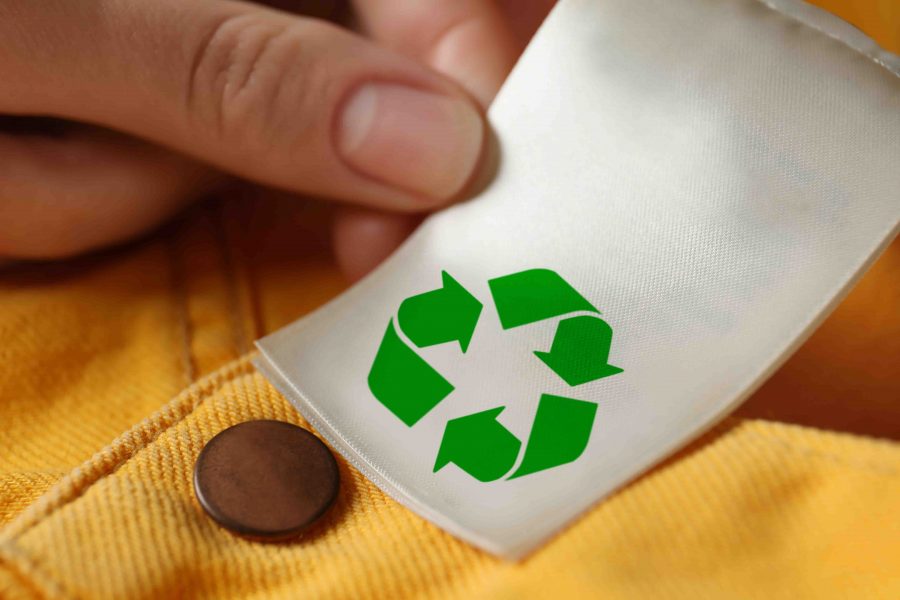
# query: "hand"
{"type": "Point", "coordinates": [167, 95]}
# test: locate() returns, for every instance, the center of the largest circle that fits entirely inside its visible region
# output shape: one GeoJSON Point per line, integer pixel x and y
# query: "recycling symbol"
{"type": "Point", "coordinates": [477, 443]}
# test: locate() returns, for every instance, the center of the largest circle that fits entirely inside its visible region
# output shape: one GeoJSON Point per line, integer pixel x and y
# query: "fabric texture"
{"type": "Point", "coordinates": [756, 508]}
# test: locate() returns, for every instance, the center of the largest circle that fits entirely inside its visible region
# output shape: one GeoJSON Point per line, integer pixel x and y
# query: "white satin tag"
{"type": "Point", "coordinates": [685, 189]}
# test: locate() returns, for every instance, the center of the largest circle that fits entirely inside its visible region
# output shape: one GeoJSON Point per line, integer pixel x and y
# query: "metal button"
{"type": "Point", "coordinates": [266, 480]}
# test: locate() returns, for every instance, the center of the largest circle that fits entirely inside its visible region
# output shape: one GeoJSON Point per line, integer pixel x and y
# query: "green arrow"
{"type": "Point", "coordinates": [534, 295]}
{"type": "Point", "coordinates": [560, 433]}
{"type": "Point", "coordinates": [401, 380]}
{"type": "Point", "coordinates": [479, 445]}
{"type": "Point", "coordinates": [447, 314]}
{"type": "Point", "coordinates": [580, 350]}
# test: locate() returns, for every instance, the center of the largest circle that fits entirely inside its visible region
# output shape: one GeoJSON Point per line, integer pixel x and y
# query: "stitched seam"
{"type": "Point", "coordinates": [30, 574]}
{"type": "Point", "coordinates": [94, 470]}
{"type": "Point", "coordinates": [232, 294]}
{"type": "Point", "coordinates": [180, 299]}
{"type": "Point", "coordinates": [870, 466]}
{"type": "Point", "coordinates": [16, 555]}
{"type": "Point", "coordinates": [242, 367]}
{"type": "Point", "coordinates": [246, 267]}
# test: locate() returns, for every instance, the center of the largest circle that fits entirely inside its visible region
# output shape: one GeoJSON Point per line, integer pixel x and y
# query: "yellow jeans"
{"type": "Point", "coordinates": [795, 496]}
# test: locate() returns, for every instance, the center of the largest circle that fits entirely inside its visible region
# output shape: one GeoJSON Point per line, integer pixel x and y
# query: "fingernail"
{"type": "Point", "coordinates": [412, 139]}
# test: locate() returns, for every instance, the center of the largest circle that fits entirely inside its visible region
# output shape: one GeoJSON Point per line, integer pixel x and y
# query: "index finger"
{"type": "Point", "coordinates": [468, 40]}
{"type": "Point", "coordinates": [287, 101]}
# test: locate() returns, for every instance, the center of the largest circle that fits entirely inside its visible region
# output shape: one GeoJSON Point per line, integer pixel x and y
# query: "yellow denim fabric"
{"type": "Point", "coordinates": [754, 509]}
{"type": "Point", "coordinates": [880, 19]}
{"type": "Point", "coordinates": [93, 346]}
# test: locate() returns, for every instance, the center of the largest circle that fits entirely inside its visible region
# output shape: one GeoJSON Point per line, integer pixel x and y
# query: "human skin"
{"type": "Point", "coordinates": [155, 102]}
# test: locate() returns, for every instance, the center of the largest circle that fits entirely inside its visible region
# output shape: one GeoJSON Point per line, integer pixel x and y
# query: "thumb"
{"type": "Point", "coordinates": [286, 101]}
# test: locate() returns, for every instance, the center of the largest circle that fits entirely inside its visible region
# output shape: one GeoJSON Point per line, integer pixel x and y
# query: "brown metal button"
{"type": "Point", "coordinates": [266, 480]}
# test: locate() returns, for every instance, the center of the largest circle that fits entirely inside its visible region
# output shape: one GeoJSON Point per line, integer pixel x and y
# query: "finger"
{"type": "Point", "coordinates": [329, 10]}
{"type": "Point", "coordinates": [64, 194]}
{"type": "Point", "coordinates": [525, 17]}
{"type": "Point", "coordinates": [66, 188]}
{"type": "Point", "coordinates": [363, 238]}
{"type": "Point", "coordinates": [283, 100]}
{"type": "Point", "coordinates": [467, 40]}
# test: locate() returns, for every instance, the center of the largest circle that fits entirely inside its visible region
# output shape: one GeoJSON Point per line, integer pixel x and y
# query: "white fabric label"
{"type": "Point", "coordinates": [685, 188]}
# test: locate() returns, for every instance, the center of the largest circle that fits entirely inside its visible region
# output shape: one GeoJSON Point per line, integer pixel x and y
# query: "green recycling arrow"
{"type": "Point", "coordinates": [580, 350]}
{"type": "Point", "coordinates": [403, 382]}
{"type": "Point", "coordinates": [534, 295]}
{"type": "Point", "coordinates": [485, 449]}
{"type": "Point", "coordinates": [447, 314]}
{"type": "Point", "coordinates": [560, 433]}
{"type": "Point", "coordinates": [479, 445]}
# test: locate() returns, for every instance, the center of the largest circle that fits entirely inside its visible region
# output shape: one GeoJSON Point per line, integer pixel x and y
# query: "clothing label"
{"type": "Point", "coordinates": [685, 188]}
